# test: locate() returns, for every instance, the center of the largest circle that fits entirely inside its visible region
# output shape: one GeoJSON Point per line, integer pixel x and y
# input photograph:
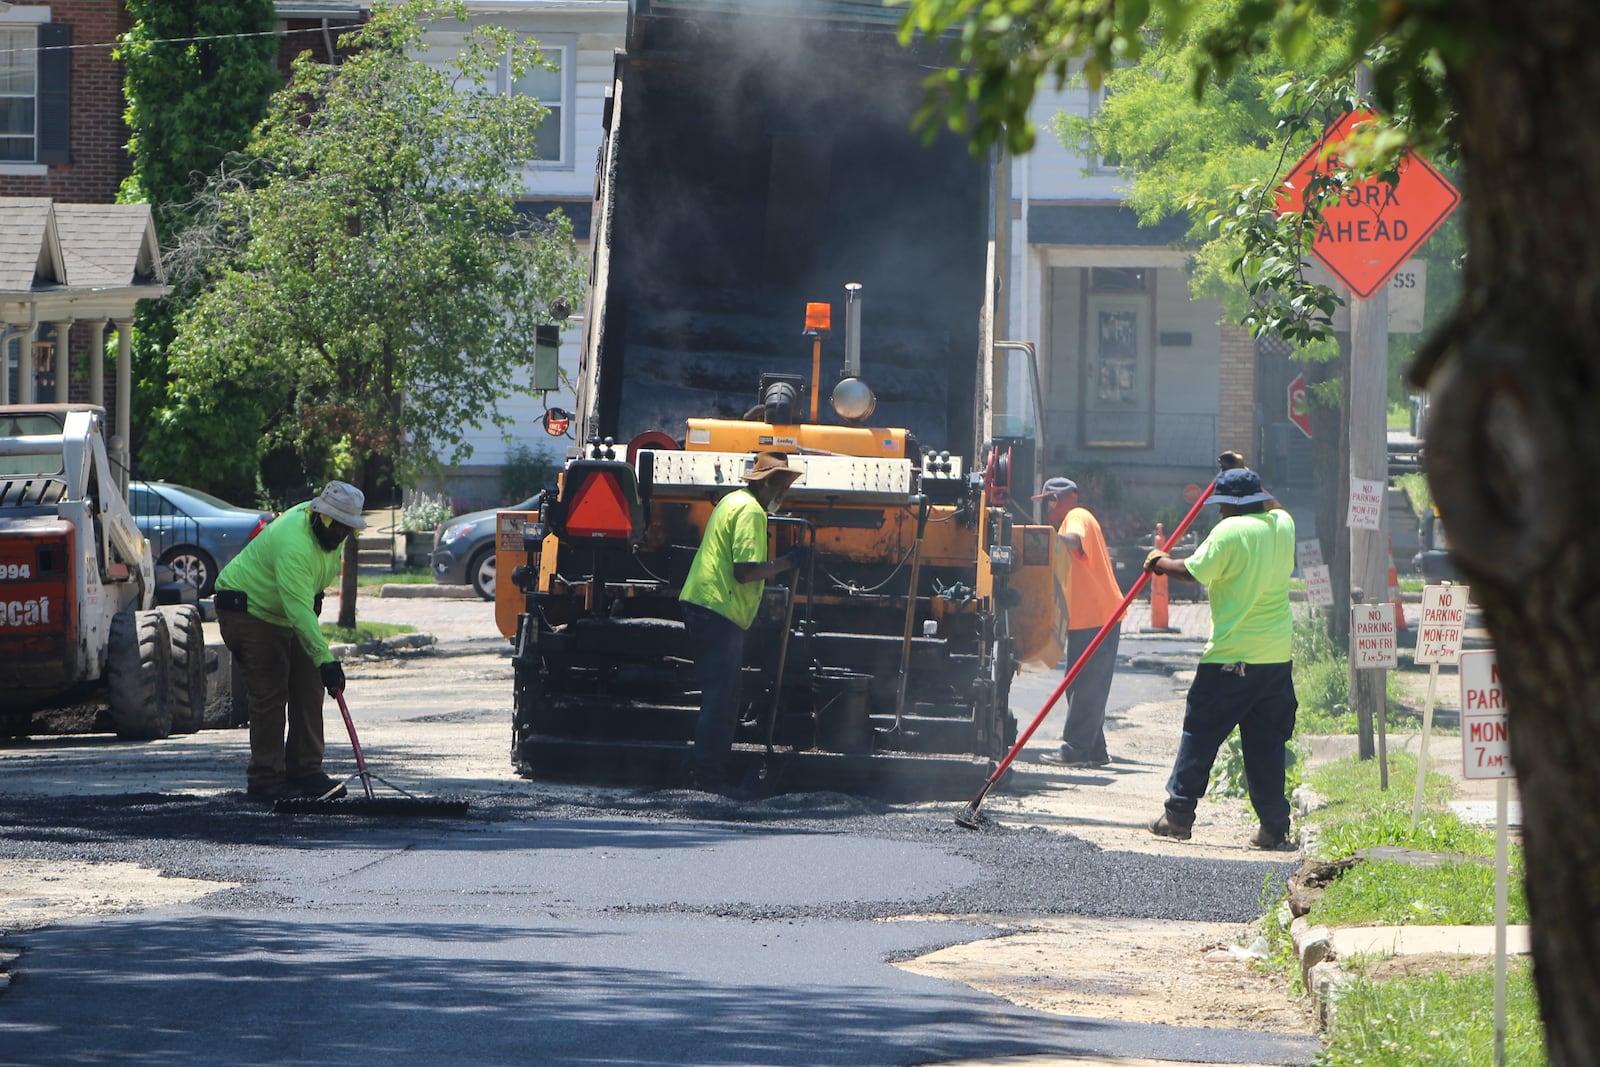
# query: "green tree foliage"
{"type": "Point", "coordinates": [198, 77]}
{"type": "Point", "coordinates": [368, 287]}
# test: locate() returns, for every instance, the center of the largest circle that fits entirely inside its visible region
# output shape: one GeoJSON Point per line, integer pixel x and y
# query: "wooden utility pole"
{"type": "Point", "coordinates": [1367, 417]}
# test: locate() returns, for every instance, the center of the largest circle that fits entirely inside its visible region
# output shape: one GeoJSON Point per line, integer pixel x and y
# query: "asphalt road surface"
{"type": "Point", "coordinates": [553, 924]}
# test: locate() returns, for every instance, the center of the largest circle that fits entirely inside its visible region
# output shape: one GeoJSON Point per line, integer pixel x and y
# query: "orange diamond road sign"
{"type": "Point", "coordinates": [1375, 226]}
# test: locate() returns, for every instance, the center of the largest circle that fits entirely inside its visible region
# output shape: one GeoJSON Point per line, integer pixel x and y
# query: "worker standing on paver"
{"type": "Point", "coordinates": [720, 599]}
{"type": "Point", "coordinates": [268, 599]}
{"type": "Point", "coordinates": [1245, 677]}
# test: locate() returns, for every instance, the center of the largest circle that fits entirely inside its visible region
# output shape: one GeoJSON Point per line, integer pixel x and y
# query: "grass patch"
{"type": "Point", "coordinates": [1360, 816]}
{"type": "Point", "coordinates": [1440, 1019]}
{"type": "Point", "coordinates": [405, 576]}
{"type": "Point", "coordinates": [363, 631]}
{"type": "Point", "coordinates": [1400, 894]}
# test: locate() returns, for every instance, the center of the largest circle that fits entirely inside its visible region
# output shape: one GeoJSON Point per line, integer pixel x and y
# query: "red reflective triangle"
{"type": "Point", "coordinates": [599, 512]}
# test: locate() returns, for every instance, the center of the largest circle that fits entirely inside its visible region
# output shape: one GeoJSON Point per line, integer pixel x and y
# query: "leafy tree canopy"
{"type": "Point", "coordinates": [369, 289]}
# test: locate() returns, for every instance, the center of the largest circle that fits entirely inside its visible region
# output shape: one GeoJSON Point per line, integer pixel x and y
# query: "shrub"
{"type": "Point", "coordinates": [524, 473]}
{"type": "Point", "coordinates": [423, 512]}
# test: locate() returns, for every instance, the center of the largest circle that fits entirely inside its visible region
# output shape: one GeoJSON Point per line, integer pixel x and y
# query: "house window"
{"type": "Point", "coordinates": [1119, 368]}
{"type": "Point", "coordinates": [552, 88]}
{"type": "Point", "coordinates": [1095, 100]}
{"type": "Point", "coordinates": [18, 84]}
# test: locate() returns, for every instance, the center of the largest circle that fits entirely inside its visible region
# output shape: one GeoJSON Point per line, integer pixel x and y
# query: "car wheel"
{"type": "Point", "coordinates": [480, 569]}
{"type": "Point", "coordinates": [192, 566]}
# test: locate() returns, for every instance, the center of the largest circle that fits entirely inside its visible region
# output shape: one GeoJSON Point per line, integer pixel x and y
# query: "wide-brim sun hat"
{"type": "Point", "coordinates": [769, 465]}
{"type": "Point", "coordinates": [1238, 486]}
{"type": "Point", "coordinates": [341, 502]}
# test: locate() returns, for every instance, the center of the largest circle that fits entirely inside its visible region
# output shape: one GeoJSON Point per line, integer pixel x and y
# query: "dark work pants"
{"type": "Point", "coordinates": [717, 643]}
{"type": "Point", "coordinates": [1262, 704]}
{"type": "Point", "coordinates": [1085, 732]}
{"type": "Point", "coordinates": [284, 690]}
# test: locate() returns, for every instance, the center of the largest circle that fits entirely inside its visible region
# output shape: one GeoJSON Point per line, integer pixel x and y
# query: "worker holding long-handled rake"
{"type": "Point", "coordinates": [1245, 677]}
{"type": "Point", "coordinates": [267, 600]}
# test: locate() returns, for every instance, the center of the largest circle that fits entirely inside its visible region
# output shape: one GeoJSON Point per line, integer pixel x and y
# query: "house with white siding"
{"type": "Point", "coordinates": [578, 39]}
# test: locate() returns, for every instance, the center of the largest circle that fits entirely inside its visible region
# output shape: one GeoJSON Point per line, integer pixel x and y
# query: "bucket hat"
{"type": "Point", "coordinates": [767, 464]}
{"type": "Point", "coordinates": [341, 502]}
{"type": "Point", "coordinates": [1241, 485]}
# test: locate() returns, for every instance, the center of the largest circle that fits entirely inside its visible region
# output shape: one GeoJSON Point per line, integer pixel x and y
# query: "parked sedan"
{"type": "Point", "coordinates": [192, 533]}
{"type": "Point", "coordinates": [463, 548]}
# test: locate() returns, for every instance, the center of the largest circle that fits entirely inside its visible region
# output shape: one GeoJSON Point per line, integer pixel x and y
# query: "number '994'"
{"type": "Point", "coordinates": [15, 570]}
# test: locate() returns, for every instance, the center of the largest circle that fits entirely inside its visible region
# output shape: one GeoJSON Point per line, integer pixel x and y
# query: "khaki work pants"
{"type": "Point", "coordinates": [284, 689]}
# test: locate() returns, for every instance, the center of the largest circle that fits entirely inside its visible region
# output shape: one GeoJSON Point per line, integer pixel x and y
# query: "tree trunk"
{"type": "Point", "coordinates": [352, 569]}
{"type": "Point", "coordinates": [347, 582]}
{"type": "Point", "coordinates": [1515, 428]}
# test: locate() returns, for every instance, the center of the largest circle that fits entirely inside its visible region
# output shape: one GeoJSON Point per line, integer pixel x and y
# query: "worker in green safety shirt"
{"type": "Point", "coordinates": [720, 599]}
{"type": "Point", "coordinates": [268, 599]}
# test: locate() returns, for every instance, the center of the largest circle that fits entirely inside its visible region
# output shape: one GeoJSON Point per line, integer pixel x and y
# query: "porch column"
{"type": "Point", "coordinates": [25, 371]}
{"type": "Point", "coordinates": [62, 365]}
{"type": "Point", "coordinates": [7, 334]}
{"type": "Point", "coordinates": [124, 398]}
{"type": "Point", "coordinates": [97, 365]}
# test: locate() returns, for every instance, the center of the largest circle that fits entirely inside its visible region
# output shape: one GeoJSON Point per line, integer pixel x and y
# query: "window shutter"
{"type": "Point", "coordinates": [55, 93]}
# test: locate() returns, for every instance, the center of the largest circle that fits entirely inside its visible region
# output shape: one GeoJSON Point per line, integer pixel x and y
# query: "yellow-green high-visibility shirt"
{"type": "Point", "coordinates": [1245, 563]}
{"type": "Point", "coordinates": [280, 571]}
{"type": "Point", "coordinates": [737, 533]}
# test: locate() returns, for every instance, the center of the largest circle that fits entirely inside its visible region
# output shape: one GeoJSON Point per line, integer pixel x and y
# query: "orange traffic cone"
{"type": "Point", "coordinates": [1394, 595]}
{"type": "Point", "coordinates": [1158, 596]}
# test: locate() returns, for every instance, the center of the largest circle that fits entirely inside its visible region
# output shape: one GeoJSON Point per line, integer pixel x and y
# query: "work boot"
{"type": "Point", "coordinates": [1163, 826]}
{"type": "Point", "coordinates": [1067, 756]}
{"type": "Point", "coordinates": [317, 785]}
{"type": "Point", "coordinates": [1268, 841]}
{"type": "Point", "coordinates": [268, 792]}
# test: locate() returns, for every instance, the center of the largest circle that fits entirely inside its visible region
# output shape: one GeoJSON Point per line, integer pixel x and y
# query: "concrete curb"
{"type": "Point", "coordinates": [416, 591]}
{"type": "Point", "coordinates": [382, 645]}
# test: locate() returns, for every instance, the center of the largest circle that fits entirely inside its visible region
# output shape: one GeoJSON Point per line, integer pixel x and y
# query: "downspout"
{"type": "Point", "coordinates": [327, 41]}
{"type": "Point", "coordinates": [6, 335]}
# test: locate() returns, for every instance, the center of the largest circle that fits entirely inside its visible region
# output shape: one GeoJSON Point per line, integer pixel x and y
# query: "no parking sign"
{"type": "Point", "coordinates": [1485, 743]}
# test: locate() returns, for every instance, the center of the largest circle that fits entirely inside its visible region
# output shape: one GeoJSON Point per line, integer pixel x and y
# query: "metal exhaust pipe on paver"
{"type": "Point", "coordinates": [852, 399]}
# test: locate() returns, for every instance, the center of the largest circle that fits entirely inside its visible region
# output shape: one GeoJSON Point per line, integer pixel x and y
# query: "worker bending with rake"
{"type": "Point", "coordinates": [268, 599]}
{"type": "Point", "coordinates": [1245, 675]}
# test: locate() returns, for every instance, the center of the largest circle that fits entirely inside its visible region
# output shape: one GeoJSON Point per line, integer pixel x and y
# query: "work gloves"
{"type": "Point", "coordinates": [332, 677]}
{"type": "Point", "coordinates": [1229, 461]}
{"type": "Point", "coordinates": [799, 557]}
{"type": "Point", "coordinates": [316, 604]}
{"type": "Point", "coordinates": [1150, 560]}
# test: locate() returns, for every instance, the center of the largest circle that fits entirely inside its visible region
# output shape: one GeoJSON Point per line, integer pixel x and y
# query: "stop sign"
{"type": "Point", "coordinates": [1375, 226]}
{"type": "Point", "coordinates": [1300, 404]}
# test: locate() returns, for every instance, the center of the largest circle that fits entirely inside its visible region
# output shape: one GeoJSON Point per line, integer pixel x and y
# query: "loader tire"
{"type": "Point", "coordinates": [186, 691]}
{"type": "Point", "coordinates": [137, 665]}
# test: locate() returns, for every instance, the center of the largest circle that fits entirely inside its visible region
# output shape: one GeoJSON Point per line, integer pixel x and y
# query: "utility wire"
{"type": "Point", "coordinates": [177, 40]}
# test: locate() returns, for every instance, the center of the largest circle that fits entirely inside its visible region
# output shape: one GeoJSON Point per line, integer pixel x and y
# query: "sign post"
{"type": "Point", "coordinates": [1373, 647]}
{"type": "Point", "coordinates": [1444, 618]}
{"type": "Point", "coordinates": [1486, 753]}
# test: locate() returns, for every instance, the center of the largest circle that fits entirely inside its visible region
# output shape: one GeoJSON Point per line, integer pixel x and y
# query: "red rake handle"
{"type": "Point", "coordinates": [355, 743]}
{"type": "Point", "coordinates": [1099, 638]}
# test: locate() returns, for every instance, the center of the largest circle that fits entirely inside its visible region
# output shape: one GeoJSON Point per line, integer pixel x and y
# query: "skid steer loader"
{"type": "Point", "coordinates": [78, 620]}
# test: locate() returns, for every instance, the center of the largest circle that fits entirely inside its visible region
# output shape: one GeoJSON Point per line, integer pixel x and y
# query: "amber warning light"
{"type": "Point", "coordinates": [819, 318]}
